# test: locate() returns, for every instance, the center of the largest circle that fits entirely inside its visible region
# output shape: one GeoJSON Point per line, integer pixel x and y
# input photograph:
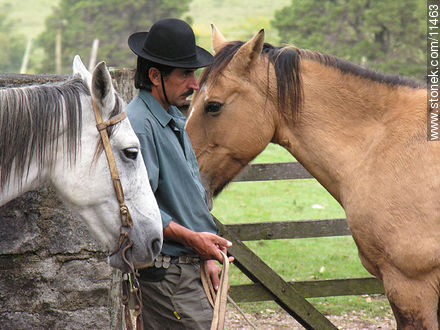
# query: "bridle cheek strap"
{"type": "Point", "coordinates": [126, 220]}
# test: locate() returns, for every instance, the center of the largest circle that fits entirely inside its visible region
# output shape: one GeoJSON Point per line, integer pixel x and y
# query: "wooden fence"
{"type": "Point", "coordinates": [268, 285]}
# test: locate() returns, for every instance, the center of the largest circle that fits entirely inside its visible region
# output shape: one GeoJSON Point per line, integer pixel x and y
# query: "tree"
{"type": "Point", "coordinates": [11, 45]}
{"type": "Point", "coordinates": [388, 35]}
{"type": "Point", "coordinates": [111, 21]}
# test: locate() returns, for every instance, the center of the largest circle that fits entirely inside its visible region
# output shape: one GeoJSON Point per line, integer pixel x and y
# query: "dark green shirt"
{"type": "Point", "coordinates": [172, 167]}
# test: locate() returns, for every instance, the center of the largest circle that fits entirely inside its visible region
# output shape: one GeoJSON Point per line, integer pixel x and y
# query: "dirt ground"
{"type": "Point", "coordinates": [271, 319]}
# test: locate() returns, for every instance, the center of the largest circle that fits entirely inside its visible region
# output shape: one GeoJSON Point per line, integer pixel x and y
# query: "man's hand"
{"type": "Point", "coordinates": [214, 271]}
{"type": "Point", "coordinates": [208, 245]}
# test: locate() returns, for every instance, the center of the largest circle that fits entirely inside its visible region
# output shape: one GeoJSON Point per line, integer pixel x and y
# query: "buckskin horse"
{"type": "Point", "coordinates": [48, 135]}
{"type": "Point", "coordinates": [360, 133]}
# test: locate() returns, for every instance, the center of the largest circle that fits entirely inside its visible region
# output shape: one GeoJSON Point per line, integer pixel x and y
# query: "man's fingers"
{"type": "Point", "coordinates": [219, 257]}
{"type": "Point", "coordinates": [215, 281]}
{"type": "Point", "coordinates": [222, 242]}
{"type": "Point", "coordinates": [214, 270]}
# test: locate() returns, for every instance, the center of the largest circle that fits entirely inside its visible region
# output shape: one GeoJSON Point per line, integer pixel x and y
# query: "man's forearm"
{"type": "Point", "coordinates": [207, 245]}
{"type": "Point", "coordinates": [177, 233]}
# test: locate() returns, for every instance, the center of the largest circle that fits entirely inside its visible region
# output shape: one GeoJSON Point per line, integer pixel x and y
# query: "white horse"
{"type": "Point", "coordinates": [48, 135]}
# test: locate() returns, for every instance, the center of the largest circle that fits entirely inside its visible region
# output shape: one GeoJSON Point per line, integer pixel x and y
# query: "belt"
{"type": "Point", "coordinates": [164, 261]}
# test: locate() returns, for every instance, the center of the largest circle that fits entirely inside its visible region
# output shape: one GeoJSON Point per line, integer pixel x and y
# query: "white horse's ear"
{"type": "Point", "coordinates": [247, 55]}
{"type": "Point", "coordinates": [79, 68]}
{"type": "Point", "coordinates": [102, 89]}
{"type": "Point", "coordinates": [218, 41]}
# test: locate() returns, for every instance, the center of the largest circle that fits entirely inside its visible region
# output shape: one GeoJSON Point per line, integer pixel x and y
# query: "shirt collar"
{"type": "Point", "coordinates": [155, 107]}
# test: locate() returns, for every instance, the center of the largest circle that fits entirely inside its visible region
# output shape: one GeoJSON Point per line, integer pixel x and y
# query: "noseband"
{"type": "Point", "coordinates": [126, 220]}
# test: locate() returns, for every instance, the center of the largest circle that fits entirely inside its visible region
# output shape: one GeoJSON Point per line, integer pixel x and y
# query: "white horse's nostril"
{"type": "Point", "coordinates": [156, 246]}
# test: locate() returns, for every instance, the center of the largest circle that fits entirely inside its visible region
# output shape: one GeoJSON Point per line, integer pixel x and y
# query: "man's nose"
{"type": "Point", "coordinates": [193, 83]}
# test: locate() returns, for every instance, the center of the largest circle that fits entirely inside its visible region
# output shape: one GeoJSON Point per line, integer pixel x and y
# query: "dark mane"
{"type": "Point", "coordinates": [287, 60]}
{"type": "Point", "coordinates": [360, 71]}
{"type": "Point", "coordinates": [30, 122]}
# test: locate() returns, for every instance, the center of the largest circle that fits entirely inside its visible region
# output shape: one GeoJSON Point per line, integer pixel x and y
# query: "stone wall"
{"type": "Point", "coordinates": [53, 274]}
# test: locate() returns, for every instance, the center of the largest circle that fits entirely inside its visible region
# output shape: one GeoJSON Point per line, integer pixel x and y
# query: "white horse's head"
{"type": "Point", "coordinates": [86, 184]}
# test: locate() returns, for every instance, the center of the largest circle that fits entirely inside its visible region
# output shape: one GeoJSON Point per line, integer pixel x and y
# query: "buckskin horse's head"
{"type": "Point", "coordinates": [229, 105]}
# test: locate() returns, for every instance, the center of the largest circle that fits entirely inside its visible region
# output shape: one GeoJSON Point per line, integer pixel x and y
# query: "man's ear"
{"type": "Point", "coordinates": [154, 75]}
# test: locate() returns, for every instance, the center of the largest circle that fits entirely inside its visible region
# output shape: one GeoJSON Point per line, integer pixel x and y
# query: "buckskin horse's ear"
{"type": "Point", "coordinates": [218, 41]}
{"type": "Point", "coordinates": [246, 56]}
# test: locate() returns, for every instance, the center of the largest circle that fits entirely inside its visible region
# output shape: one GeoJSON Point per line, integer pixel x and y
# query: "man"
{"type": "Point", "coordinates": [173, 295]}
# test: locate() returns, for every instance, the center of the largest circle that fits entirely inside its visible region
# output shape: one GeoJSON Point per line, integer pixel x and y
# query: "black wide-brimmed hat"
{"type": "Point", "coordinates": [170, 42]}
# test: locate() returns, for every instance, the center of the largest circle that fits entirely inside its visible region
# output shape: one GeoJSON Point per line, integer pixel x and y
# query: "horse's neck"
{"type": "Point", "coordinates": [343, 118]}
{"type": "Point", "coordinates": [36, 175]}
{"type": "Point", "coordinates": [18, 186]}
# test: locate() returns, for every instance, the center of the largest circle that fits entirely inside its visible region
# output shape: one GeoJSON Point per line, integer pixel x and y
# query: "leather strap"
{"type": "Point", "coordinates": [219, 304]}
{"type": "Point", "coordinates": [112, 121]}
{"type": "Point", "coordinates": [126, 221]}
{"type": "Point", "coordinates": [217, 299]}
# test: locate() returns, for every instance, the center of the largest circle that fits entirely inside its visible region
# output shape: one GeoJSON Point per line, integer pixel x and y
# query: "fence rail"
{"type": "Point", "coordinates": [311, 289]}
{"type": "Point", "coordinates": [290, 229]}
{"type": "Point", "coordinates": [273, 171]}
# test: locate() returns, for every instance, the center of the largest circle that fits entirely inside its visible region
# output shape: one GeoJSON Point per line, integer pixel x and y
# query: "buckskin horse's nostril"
{"type": "Point", "coordinates": [156, 246]}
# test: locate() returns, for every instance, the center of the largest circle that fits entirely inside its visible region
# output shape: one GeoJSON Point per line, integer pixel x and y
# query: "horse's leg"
{"type": "Point", "coordinates": [414, 301]}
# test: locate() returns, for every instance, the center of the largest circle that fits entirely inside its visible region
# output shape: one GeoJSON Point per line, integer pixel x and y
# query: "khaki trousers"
{"type": "Point", "coordinates": [178, 301]}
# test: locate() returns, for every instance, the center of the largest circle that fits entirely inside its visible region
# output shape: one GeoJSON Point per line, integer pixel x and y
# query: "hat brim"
{"type": "Point", "coordinates": [136, 43]}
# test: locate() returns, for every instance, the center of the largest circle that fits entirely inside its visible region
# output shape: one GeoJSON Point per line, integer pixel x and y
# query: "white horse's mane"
{"type": "Point", "coordinates": [30, 122]}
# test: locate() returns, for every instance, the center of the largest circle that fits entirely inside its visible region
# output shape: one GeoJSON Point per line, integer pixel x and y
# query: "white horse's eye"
{"type": "Point", "coordinates": [131, 153]}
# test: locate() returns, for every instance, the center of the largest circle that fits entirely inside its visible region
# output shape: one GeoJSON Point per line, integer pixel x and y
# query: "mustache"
{"type": "Point", "coordinates": [188, 93]}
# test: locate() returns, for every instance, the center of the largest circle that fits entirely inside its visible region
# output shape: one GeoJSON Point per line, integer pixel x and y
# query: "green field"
{"type": "Point", "coordinates": [236, 19]}
{"type": "Point", "coordinates": [296, 259]}
{"type": "Point", "coordinates": [28, 15]}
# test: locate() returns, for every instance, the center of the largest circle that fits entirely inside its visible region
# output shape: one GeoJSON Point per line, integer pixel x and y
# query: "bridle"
{"type": "Point", "coordinates": [131, 286]}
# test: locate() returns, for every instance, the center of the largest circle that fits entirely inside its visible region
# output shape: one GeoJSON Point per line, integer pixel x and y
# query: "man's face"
{"type": "Point", "coordinates": [180, 84]}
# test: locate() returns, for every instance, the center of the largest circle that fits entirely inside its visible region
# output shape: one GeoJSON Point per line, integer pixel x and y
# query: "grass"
{"type": "Point", "coordinates": [296, 259]}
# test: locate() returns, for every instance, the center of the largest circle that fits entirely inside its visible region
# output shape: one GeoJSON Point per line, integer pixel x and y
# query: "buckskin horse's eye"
{"type": "Point", "coordinates": [213, 107]}
{"type": "Point", "coordinates": [131, 153]}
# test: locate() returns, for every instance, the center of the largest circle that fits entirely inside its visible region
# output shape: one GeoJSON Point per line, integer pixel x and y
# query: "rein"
{"type": "Point", "coordinates": [218, 299]}
{"type": "Point", "coordinates": [130, 287]}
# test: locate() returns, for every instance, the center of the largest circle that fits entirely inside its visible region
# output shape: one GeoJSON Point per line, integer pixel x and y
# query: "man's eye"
{"type": "Point", "coordinates": [213, 107]}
